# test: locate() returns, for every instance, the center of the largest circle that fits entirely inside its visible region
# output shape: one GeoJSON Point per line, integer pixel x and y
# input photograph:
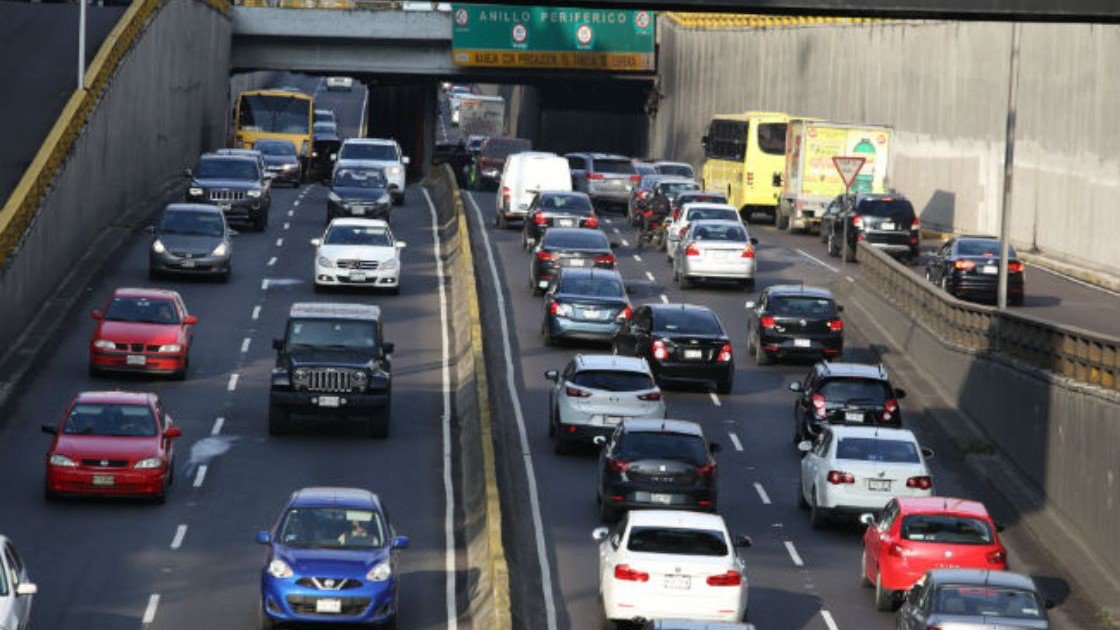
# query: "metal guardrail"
{"type": "Point", "coordinates": [347, 5]}
{"type": "Point", "coordinates": [1077, 354]}
{"type": "Point", "coordinates": [716, 21]}
{"type": "Point", "coordinates": [28, 195]}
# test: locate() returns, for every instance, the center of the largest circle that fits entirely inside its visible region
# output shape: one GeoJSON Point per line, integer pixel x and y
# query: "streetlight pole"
{"type": "Point", "coordinates": [1008, 167]}
{"type": "Point", "coordinates": [82, 44]}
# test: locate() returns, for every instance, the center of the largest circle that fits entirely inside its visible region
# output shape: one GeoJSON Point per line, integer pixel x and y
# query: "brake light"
{"type": "Point", "coordinates": [624, 572]}
{"type": "Point", "coordinates": [896, 550]}
{"type": "Point", "coordinates": [818, 405]}
{"type": "Point", "coordinates": [618, 465]}
{"type": "Point", "coordinates": [964, 264]}
{"type": "Point", "coordinates": [1014, 266]}
{"type": "Point", "coordinates": [545, 255]}
{"type": "Point", "coordinates": [922, 483]}
{"type": "Point", "coordinates": [556, 308]}
{"type": "Point", "coordinates": [595, 176]}
{"type": "Point", "coordinates": [575, 392]}
{"type": "Point", "coordinates": [680, 232]}
{"type": "Point", "coordinates": [650, 396]}
{"type": "Point", "coordinates": [837, 477]}
{"type": "Point", "coordinates": [634, 179]}
{"type": "Point", "coordinates": [592, 221]}
{"type": "Point", "coordinates": [724, 353]}
{"type": "Point", "coordinates": [692, 250]}
{"type": "Point", "coordinates": [539, 218]}
{"type": "Point", "coordinates": [505, 193]}
{"type": "Point", "coordinates": [748, 252]}
{"type": "Point", "coordinates": [625, 313]}
{"type": "Point", "coordinates": [750, 178]}
{"type": "Point", "coordinates": [857, 221]}
{"type": "Point", "coordinates": [915, 224]}
{"type": "Point", "coordinates": [707, 470]}
{"type": "Point", "coordinates": [836, 325]}
{"type": "Point", "coordinates": [767, 321]}
{"type": "Point", "coordinates": [660, 351]}
{"type": "Point", "coordinates": [605, 259]}
{"type": "Point", "coordinates": [998, 557]}
{"type": "Point", "coordinates": [731, 578]}
{"type": "Point", "coordinates": [890, 408]}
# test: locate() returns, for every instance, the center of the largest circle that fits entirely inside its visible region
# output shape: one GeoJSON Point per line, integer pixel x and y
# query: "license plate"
{"type": "Point", "coordinates": [612, 419]}
{"type": "Point", "coordinates": [358, 210]}
{"type": "Point", "coordinates": [543, 284]}
{"type": "Point", "coordinates": [357, 276]}
{"type": "Point", "coordinates": [802, 343]}
{"type": "Point", "coordinates": [565, 223]}
{"type": "Point", "coordinates": [576, 262]}
{"type": "Point", "coordinates": [853, 416]}
{"type": "Point", "coordinates": [693, 354]}
{"type": "Point", "coordinates": [879, 485]}
{"type": "Point", "coordinates": [886, 225]}
{"type": "Point", "coordinates": [989, 270]}
{"type": "Point", "coordinates": [104, 480]}
{"type": "Point", "coordinates": [678, 582]}
{"type": "Point", "coordinates": [592, 314]}
{"type": "Point", "coordinates": [663, 499]}
{"type": "Point", "coordinates": [135, 359]}
{"type": "Point", "coordinates": [328, 605]}
{"type": "Point", "coordinates": [187, 264]}
{"type": "Point", "coordinates": [328, 401]}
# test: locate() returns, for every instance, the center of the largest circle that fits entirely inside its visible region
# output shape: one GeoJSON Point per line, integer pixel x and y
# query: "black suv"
{"type": "Point", "coordinates": [661, 464]}
{"type": "Point", "coordinates": [683, 343]}
{"type": "Point", "coordinates": [794, 321]}
{"type": "Point", "coordinates": [887, 222]}
{"type": "Point", "coordinates": [235, 183]}
{"type": "Point", "coordinates": [844, 393]}
{"type": "Point", "coordinates": [332, 361]}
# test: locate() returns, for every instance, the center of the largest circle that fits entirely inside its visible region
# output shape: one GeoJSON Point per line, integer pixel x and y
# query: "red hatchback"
{"type": "Point", "coordinates": [142, 330]}
{"type": "Point", "coordinates": [913, 535]}
{"type": "Point", "coordinates": [111, 443]}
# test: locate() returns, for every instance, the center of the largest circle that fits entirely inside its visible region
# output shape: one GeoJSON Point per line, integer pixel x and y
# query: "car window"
{"type": "Point", "coordinates": [877, 450]}
{"type": "Point", "coordinates": [890, 513]}
{"type": "Point", "coordinates": [700, 214]}
{"type": "Point", "coordinates": [325, 126]}
{"type": "Point", "coordinates": [893, 208]}
{"type": "Point", "coordinates": [671, 540]}
{"type": "Point", "coordinates": [772, 138]}
{"type": "Point", "coordinates": [335, 334]}
{"type": "Point", "coordinates": [14, 560]}
{"type": "Point", "coordinates": [275, 147]}
{"type": "Point", "coordinates": [801, 306]}
{"type": "Point", "coordinates": [672, 189]}
{"type": "Point", "coordinates": [981, 247]}
{"type": "Point", "coordinates": [231, 168]}
{"type": "Point", "coordinates": [693, 197]}
{"type": "Point", "coordinates": [987, 601]}
{"type": "Point", "coordinates": [332, 528]}
{"type": "Point", "coordinates": [142, 310]}
{"type": "Point", "coordinates": [110, 420]}
{"type": "Point", "coordinates": [687, 321]}
{"type": "Point", "coordinates": [613, 380]}
{"type": "Point", "coordinates": [359, 178]}
{"type": "Point", "coordinates": [571, 204]}
{"type": "Point", "coordinates": [575, 239]}
{"type": "Point", "coordinates": [946, 529]}
{"type": "Point", "coordinates": [358, 235]}
{"type": "Point", "coordinates": [3, 580]}
{"type": "Point", "coordinates": [730, 233]}
{"type": "Point", "coordinates": [608, 165]}
{"type": "Point", "coordinates": [189, 222]}
{"type": "Point", "coordinates": [592, 286]}
{"type": "Point", "coordinates": [363, 151]}
{"type": "Point", "coordinates": [575, 163]}
{"type": "Point", "coordinates": [638, 445]}
{"type": "Point", "coordinates": [855, 390]}
{"type": "Point", "coordinates": [680, 170]}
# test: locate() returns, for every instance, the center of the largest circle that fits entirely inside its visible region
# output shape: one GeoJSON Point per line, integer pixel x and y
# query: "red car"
{"type": "Point", "coordinates": [142, 330]}
{"type": "Point", "coordinates": [915, 534]}
{"type": "Point", "coordinates": [111, 443]}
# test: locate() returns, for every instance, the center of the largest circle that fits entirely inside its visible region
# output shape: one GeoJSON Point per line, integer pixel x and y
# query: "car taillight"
{"type": "Point", "coordinates": [575, 392]}
{"type": "Point", "coordinates": [618, 465]}
{"type": "Point", "coordinates": [660, 351]}
{"type": "Point", "coordinates": [605, 259]}
{"type": "Point", "coordinates": [592, 221]}
{"type": "Point", "coordinates": [890, 408]}
{"type": "Point", "coordinates": [1014, 266]}
{"type": "Point", "coordinates": [724, 353]}
{"type": "Point", "coordinates": [692, 250]}
{"type": "Point", "coordinates": [999, 557]}
{"type": "Point", "coordinates": [707, 470]}
{"type": "Point", "coordinates": [923, 482]}
{"type": "Point", "coordinates": [557, 308]}
{"type": "Point", "coordinates": [896, 550]}
{"type": "Point", "coordinates": [964, 264]}
{"type": "Point", "coordinates": [624, 572]}
{"type": "Point", "coordinates": [595, 176]}
{"type": "Point", "coordinates": [625, 313]}
{"type": "Point", "coordinates": [544, 255]}
{"type": "Point", "coordinates": [650, 396]}
{"type": "Point", "coordinates": [818, 405]}
{"type": "Point", "coordinates": [748, 252]}
{"type": "Point", "coordinates": [766, 321]}
{"type": "Point", "coordinates": [837, 477]}
{"type": "Point", "coordinates": [857, 221]}
{"type": "Point", "coordinates": [731, 578]}
{"type": "Point", "coordinates": [915, 224]}
{"type": "Point", "coordinates": [505, 193]}
{"type": "Point", "coordinates": [750, 178]}
{"type": "Point", "coordinates": [539, 218]}
{"type": "Point", "coordinates": [634, 179]}
{"type": "Point", "coordinates": [836, 325]}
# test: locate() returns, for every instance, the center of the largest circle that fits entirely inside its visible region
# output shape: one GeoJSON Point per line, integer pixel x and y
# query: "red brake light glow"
{"type": "Point", "coordinates": [724, 353]}
{"type": "Point", "coordinates": [890, 408]}
{"type": "Point", "coordinates": [691, 250]}
{"type": "Point", "coordinates": [836, 325]}
{"type": "Point", "coordinates": [915, 224]}
{"type": "Point", "coordinates": [592, 221]}
{"type": "Point", "coordinates": [997, 557]}
{"type": "Point", "coordinates": [707, 470]}
{"type": "Point", "coordinates": [605, 259]}
{"type": "Point", "coordinates": [731, 578]}
{"type": "Point", "coordinates": [505, 192]}
{"type": "Point", "coordinates": [634, 179]}
{"type": "Point", "coordinates": [617, 465]}
{"type": "Point", "coordinates": [748, 252]}
{"type": "Point", "coordinates": [857, 220]}
{"type": "Point", "coordinates": [1014, 266]}
{"type": "Point", "coordinates": [818, 405]}
{"type": "Point", "coordinates": [545, 255]}
{"type": "Point", "coordinates": [766, 321]}
{"type": "Point", "coordinates": [660, 352]}
{"type": "Point", "coordinates": [576, 392]}
{"type": "Point", "coordinates": [964, 264]}
{"type": "Point", "coordinates": [624, 572]}
{"type": "Point", "coordinates": [837, 477]}
{"type": "Point", "coordinates": [922, 483]}
{"type": "Point", "coordinates": [650, 396]}
{"type": "Point", "coordinates": [595, 176]}
{"type": "Point", "coordinates": [625, 313]}
{"type": "Point", "coordinates": [539, 218]}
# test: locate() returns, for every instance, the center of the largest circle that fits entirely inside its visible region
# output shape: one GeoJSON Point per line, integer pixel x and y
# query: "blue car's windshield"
{"type": "Point", "coordinates": [332, 528]}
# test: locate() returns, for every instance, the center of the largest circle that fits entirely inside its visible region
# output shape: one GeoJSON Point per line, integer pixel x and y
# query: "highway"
{"type": "Point", "coordinates": [192, 563]}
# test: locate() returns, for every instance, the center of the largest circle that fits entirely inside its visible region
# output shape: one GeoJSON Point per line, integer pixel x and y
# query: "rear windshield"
{"type": "Point", "coordinates": [325, 127]}
{"type": "Point", "coordinates": [639, 445]}
{"type": "Point", "coordinates": [730, 233]}
{"type": "Point", "coordinates": [110, 420]}
{"type": "Point", "coordinates": [322, 115]}
{"type": "Point", "coordinates": [227, 168]}
{"type": "Point", "coordinates": [382, 152]}
{"type": "Point", "coordinates": [689, 542]}
{"type": "Point", "coordinates": [613, 380]}
{"type": "Point", "coordinates": [876, 450]}
{"type": "Point", "coordinates": [800, 306]}
{"type": "Point", "coordinates": [987, 601]}
{"type": "Point", "coordinates": [501, 147]}
{"type": "Point", "coordinates": [691, 197]}
{"type": "Point", "coordinates": [982, 247]}
{"type": "Point", "coordinates": [894, 208]}
{"type": "Point", "coordinates": [946, 529]}
{"type": "Point", "coordinates": [682, 170]}
{"type": "Point", "coordinates": [571, 204]}
{"type": "Point", "coordinates": [855, 391]}
{"type": "Point", "coordinates": [592, 286]}
{"type": "Point", "coordinates": [725, 214]}
{"type": "Point", "coordinates": [614, 166]}
{"type": "Point", "coordinates": [772, 138]}
{"type": "Point", "coordinates": [644, 169]}
{"type": "Point", "coordinates": [575, 239]}
{"type": "Point", "coordinates": [690, 321]}
{"type": "Point", "coordinates": [673, 189]}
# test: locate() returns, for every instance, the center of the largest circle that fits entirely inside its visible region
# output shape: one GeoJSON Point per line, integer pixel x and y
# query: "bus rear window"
{"type": "Point", "coordinates": [772, 138]}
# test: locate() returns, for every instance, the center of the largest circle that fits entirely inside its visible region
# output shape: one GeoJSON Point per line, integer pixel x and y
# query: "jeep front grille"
{"type": "Point", "coordinates": [329, 380]}
{"type": "Point", "coordinates": [227, 195]}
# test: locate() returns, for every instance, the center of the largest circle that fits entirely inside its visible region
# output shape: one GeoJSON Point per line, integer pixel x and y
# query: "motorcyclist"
{"type": "Point", "coordinates": [653, 217]}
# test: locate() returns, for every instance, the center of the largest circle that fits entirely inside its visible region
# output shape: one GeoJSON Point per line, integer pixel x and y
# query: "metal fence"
{"type": "Point", "coordinates": [347, 5]}
{"type": "Point", "coordinates": [1071, 352]}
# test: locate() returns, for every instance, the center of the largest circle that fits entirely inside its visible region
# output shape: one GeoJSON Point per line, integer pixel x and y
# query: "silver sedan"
{"type": "Point", "coordinates": [715, 250]}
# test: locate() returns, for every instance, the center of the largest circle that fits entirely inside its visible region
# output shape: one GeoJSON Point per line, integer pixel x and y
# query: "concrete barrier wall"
{"type": "Point", "coordinates": [165, 104]}
{"type": "Point", "coordinates": [943, 86]}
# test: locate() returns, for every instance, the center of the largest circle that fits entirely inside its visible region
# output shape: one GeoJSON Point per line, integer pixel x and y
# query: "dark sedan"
{"type": "Point", "coordinates": [683, 343]}
{"type": "Point", "coordinates": [234, 183]}
{"type": "Point", "coordinates": [485, 169]}
{"type": "Point", "coordinates": [359, 192]}
{"type": "Point", "coordinates": [967, 267]}
{"type": "Point", "coordinates": [556, 209]}
{"type": "Point", "coordinates": [281, 160]}
{"type": "Point", "coordinates": [191, 239]}
{"type": "Point", "coordinates": [585, 304]}
{"type": "Point", "coordinates": [660, 464]}
{"type": "Point", "coordinates": [561, 248]}
{"type": "Point", "coordinates": [794, 321]}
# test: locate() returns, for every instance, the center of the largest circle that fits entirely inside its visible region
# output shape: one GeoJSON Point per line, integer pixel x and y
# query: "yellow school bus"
{"type": "Point", "coordinates": [274, 115]}
{"type": "Point", "coordinates": [744, 156]}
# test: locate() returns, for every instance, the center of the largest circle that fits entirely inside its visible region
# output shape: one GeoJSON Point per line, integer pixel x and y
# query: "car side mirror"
{"type": "Point", "coordinates": [316, 242]}
{"type": "Point", "coordinates": [805, 446]}
{"type": "Point", "coordinates": [750, 304]}
{"type": "Point", "coordinates": [173, 432]}
{"type": "Point", "coordinates": [150, 229]}
{"type": "Point", "coordinates": [615, 244]}
{"type": "Point", "coordinates": [263, 537]}
{"type": "Point", "coordinates": [188, 173]}
{"type": "Point", "coordinates": [49, 429]}
{"type": "Point", "coordinates": [899, 392]}
{"type": "Point", "coordinates": [190, 319]}
{"type": "Point", "coordinates": [740, 540]}
{"type": "Point", "coordinates": [599, 534]}
{"type": "Point", "coordinates": [754, 241]}
{"type": "Point", "coordinates": [552, 375]}
{"type": "Point", "coordinates": [95, 314]}
{"type": "Point", "coordinates": [388, 347]}
{"type": "Point", "coordinates": [714, 447]}
{"type": "Point", "coordinates": [599, 440]}
{"type": "Point", "coordinates": [400, 245]}
{"type": "Point", "coordinates": [795, 386]}
{"type": "Point", "coordinates": [1049, 604]}
{"type": "Point", "coordinates": [839, 308]}
{"type": "Point", "coordinates": [277, 344]}
{"type": "Point", "coordinates": [999, 528]}
{"type": "Point", "coordinates": [400, 542]}
{"type": "Point", "coordinates": [26, 588]}
{"type": "Point", "coordinates": [927, 453]}
{"type": "Point", "coordinates": [405, 160]}
{"type": "Point", "coordinates": [867, 518]}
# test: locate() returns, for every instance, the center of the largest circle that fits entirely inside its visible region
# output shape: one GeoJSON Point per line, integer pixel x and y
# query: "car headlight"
{"type": "Point", "coordinates": [361, 379]}
{"type": "Point", "coordinates": [384, 200]}
{"type": "Point", "coordinates": [300, 376]}
{"type": "Point", "coordinates": [279, 569]}
{"type": "Point", "coordinates": [158, 247]}
{"type": "Point", "coordinates": [104, 344]}
{"type": "Point", "coordinates": [253, 193]}
{"type": "Point", "coordinates": [170, 347]}
{"type": "Point", "coordinates": [333, 197]}
{"type": "Point", "coordinates": [325, 262]}
{"type": "Point", "coordinates": [194, 191]}
{"type": "Point", "coordinates": [149, 462]}
{"type": "Point", "coordinates": [62, 460]}
{"type": "Point", "coordinates": [393, 170]}
{"type": "Point", "coordinates": [380, 572]}
{"type": "Point", "coordinates": [388, 264]}
{"type": "Point", "coordinates": [220, 250]}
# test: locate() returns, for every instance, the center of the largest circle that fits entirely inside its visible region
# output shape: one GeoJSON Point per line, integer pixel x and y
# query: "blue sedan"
{"type": "Point", "coordinates": [332, 559]}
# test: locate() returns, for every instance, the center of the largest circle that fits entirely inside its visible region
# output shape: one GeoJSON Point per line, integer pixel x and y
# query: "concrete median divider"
{"type": "Point", "coordinates": [485, 593]}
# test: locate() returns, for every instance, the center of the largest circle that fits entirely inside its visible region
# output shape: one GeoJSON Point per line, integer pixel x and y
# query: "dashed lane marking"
{"type": "Point", "coordinates": [279, 242]}
{"type": "Point", "coordinates": [150, 611]}
{"type": "Point", "coordinates": [616, 230]}
{"type": "Point", "coordinates": [200, 476]}
{"type": "Point", "coordinates": [762, 496]}
{"type": "Point", "coordinates": [849, 279]}
{"type": "Point", "coordinates": [715, 399]}
{"type": "Point", "coordinates": [245, 344]}
{"type": "Point", "coordinates": [637, 258]}
{"type": "Point", "coordinates": [817, 260]}
{"type": "Point", "coordinates": [232, 382]}
{"type": "Point", "coordinates": [287, 226]}
{"type": "Point", "coordinates": [650, 276]}
{"type": "Point", "coordinates": [264, 284]}
{"type": "Point", "coordinates": [626, 243]}
{"type": "Point", "coordinates": [295, 203]}
{"type": "Point", "coordinates": [828, 620]}
{"type": "Point", "coordinates": [291, 213]}
{"type": "Point", "coordinates": [272, 261]}
{"type": "Point", "coordinates": [793, 555]}
{"type": "Point", "coordinates": [664, 298]}
{"type": "Point", "coordinates": [735, 442]}
{"type": "Point", "coordinates": [180, 534]}
{"type": "Point", "coordinates": [256, 311]}
{"type": "Point", "coordinates": [218, 422]}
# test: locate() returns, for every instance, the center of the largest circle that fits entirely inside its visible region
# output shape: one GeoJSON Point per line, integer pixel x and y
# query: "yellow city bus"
{"type": "Point", "coordinates": [744, 157]}
{"type": "Point", "coordinates": [274, 115]}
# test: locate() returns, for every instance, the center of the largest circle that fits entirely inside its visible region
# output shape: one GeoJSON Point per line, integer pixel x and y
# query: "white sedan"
{"type": "Point", "coordinates": [715, 250]}
{"type": "Point", "coordinates": [696, 211]}
{"type": "Point", "coordinates": [16, 590]}
{"type": "Point", "coordinates": [358, 253]}
{"type": "Point", "coordinates": [849, 470]}
{"type": "Point", "coordinates": [671, 564]}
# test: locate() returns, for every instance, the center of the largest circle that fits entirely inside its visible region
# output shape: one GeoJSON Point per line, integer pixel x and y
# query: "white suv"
{"type": "Point", "coordinates": [382, 153]}
{"type": "Point", "coordinates": [358, 253]}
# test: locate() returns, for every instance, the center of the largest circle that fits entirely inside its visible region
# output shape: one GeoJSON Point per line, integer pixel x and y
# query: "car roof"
{"type": "Point", "coordinates": [709, 205]}
{"type": "Point", "coordinates": [358, 221]}
{"type": "Point", "coordinates": [657, 307]}
{"type": "Point", "coordinates": [192, 207]}
{"type": "Point", "coordinates": [695, 624]}
{"type": "Point", "coordinates": [857, 370]}
{"type": "Point", "coordinates": [561, 232]}
{"type": "Point", "coordinates": [238, 151]}
{"type": "Point", "coordinates": [327, 496]}
{"type": "Point", "coordinates": [698, 193]}
{"type": "Point", "coordinates": [937, 505]}
{"type": "Point", "coordinates": [589, 272]}
{"type": "Point", "coordinates": [799, 289]}
{"type": "Point", "coordinates": [114, 397]}
{"type": "Point", "coordinates": [378, 141]}
{"type": "Point", "coordinates": [562, 193]}
{"type": "Point", "coordinates": [611, 362]}
{"type": "Point", "coordinates": [368, 164]}
{"type": "Point", "coordinates": [676, 518]}
{"type": "Point", "coordinates": [248, 155]}
{"type": "Point", "coordinates": [677, 179]}
{"type": "Point", "coordinates": [599, 156]}
{"type": "Point", "coordinates": [651, 425]}
{"type": "Point", "coordinates": [886, 196]}
{"type": "Point", "coordinates": [982, 577]}
{"type": "Point", "coordinates": [322, 110]}
{"type": "Point", "coordinates": [717, 222]}
{"type": "Point", "coordinates": [883, 433]}
{"type": "Point", "coordinates": [334, 310]}
{"type": "Point", "coordinates": [671, 163]}
{"type": "Point", "coordinates": [145, 292]}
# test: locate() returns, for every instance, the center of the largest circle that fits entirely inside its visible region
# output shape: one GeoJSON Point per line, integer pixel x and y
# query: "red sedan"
{"type": "Point", "coordinates": [111, 443]}
{"type": "Point", "coordinates": [142, 330]}
{"type": "Point", "coordinates": [913, 535]}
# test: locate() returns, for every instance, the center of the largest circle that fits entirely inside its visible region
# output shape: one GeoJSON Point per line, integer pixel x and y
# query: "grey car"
{"type": "Point", "coordinates": [605, 177]}
{"type": "Point", "coordinates": [16, 589]}
{"type": "Point", "coordinates": [281, 160]}
{"type": "Point", "coordinates": [235, 183]}
{"type": "Point", "coordinates": [191, 239]}
{"type": "Point", "coordinates": [974, 599]}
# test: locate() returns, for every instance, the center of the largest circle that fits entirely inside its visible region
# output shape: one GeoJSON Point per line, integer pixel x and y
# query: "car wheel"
{"type": "Point", "coordinates": [378, 423]}
{"type": "Point", "coordinates": [761, 357]}
{"type": "Point", "coordinates": [945, 285]}
{"type": "Point", "coordinates": [153, 274]}
{"type": "Point", "coordinates": [884, 597]}
{"type": "Point", "coordinates": [260, 222]}
{"type": "Point", "coordinates": [93, 371]}
{"type": "Point", "coordinates": [278, 419]}
{"type": "Point", "coordinates": [561, 446]}
{"type": "Point", "coordinates": [817, 517]}
{"type": "Point", "coordinates": [684, 282]}
{"type": "Point", "coordinates": [781, 221]}
{"type": "Point", "coordinates": [503, 224]}
{"type": "Point", "coordinates": [50, 496]}
{"type": "Point", "coordinates": [160, 497]}
{"type": "Point", "coordinates": [833, 251]}
{"type": "Point", "coordinates": [389, 624]}
{"type": "Point", "coordinates": [265, 622]}
{"type": "Point", "coordinates": [1016, 301]}
{"type": "Point", "coordinates": [748, 284]}
{"type": "Point", "coordinates": [863, 581]}
{"type": "Point", "coordinates": [181, 374]}
{"type": "Point", "coordinates": [552, 423]}
{"type": "Point", "coordinates": [801, 502]}
{"type": "Point", "coordinates": [224, 276]}
{"type": "Point", "coordinates": [724, 387]}
{"type": "Point", "coordinates": [546, 334]}
{"type": "Point", "coordinates": [824, 235]}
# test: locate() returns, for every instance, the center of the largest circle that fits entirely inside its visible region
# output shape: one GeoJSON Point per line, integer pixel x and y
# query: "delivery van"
{"type": "Point", "coordinates": [744, 155]}
{"type": "Point", "coordinates": [524, 175]}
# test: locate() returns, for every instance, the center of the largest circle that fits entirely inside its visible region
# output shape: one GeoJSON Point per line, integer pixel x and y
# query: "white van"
{"type": "Point", "coordinates": [523, 176]}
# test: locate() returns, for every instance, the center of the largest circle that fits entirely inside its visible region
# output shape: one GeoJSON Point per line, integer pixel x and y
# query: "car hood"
{"type": "Point", "coordinates": [237, 184]}
{"type": "Point", "coordinates": [277, 160]}
{"type": "Point", "coordinates": [311, 357]}
{"type": "Point", "coordinates": [336, 563]}
{"type": "Point", "coordinates": [106, 447]}
{"type": "Point", "coordinates": [189, 243]}
{"type": "Point", "coordinates": [364, 194]}
{"type": "Point", "coordinates": [359, 252]}
{"type": "Point", "coordinates": [128, 332]}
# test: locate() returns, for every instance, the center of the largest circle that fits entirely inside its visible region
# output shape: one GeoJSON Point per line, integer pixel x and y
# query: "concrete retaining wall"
{"type": "Point", "coordinates": [943, 86]}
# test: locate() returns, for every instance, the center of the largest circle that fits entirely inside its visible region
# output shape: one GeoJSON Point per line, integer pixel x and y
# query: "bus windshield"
{"type": "Point", "coordinates": [272, 113]}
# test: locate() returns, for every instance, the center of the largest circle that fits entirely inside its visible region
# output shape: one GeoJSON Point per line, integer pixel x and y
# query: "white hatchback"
{"type": "Point", "coordinates": [358, 253]}
{"type": "Point", "coordinates": [16, 589]}
{"type": "Point", "coordinates": [849, 470]}
{"type": "Point", "coordinates": [696, 211]}
{"type": "Point", "coordinates": [671, 564]}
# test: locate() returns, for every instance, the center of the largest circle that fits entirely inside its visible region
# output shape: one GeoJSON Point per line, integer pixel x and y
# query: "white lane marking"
{"type": "Point", "coordinates": [271, 261]}
{"type": "Point", "coordinates": [180, 534]}
{"type": "Point", "coordinates": [637, 258]}
{"type": "Point", "coordinates": [264, 284]}
{"type": "Point", "coordinates": [849, 278]}
{"type": "Point", "coordinates": [200, 476]}
{"type": "Point", "coordinates": [715, 399]}
{"type": "Point", "coordinates": [650, 276]}
{"type": "Point", "coordinates": [279, 242]}
{"type": "Point", "coordinates": [615, 230]}
{"type": "Point", "coordinates": [526, 454]}
{"type": "Point", "coordinates": [150, 611]}
{"type": "Point", "coordinates": [1075, 280]}
{"type": "Point", "coordinates": [664, 298]}
{"type": "Point", "coordinates": [287, 226]}
{"type": "Point", "coordinates": [218, 422]}
{"type": "Point", "coordinates": [245, 344]}
{"type": "Point", "coordinates": [793, 555]}
{"type": "Point", "coordinates": [762, 496]}
{"type": "Point", "coordinates": [626, 243]}
{"type": "Point", "coordinates": [608, 221]}
{"type": "Point", "coordinates": [445, 369]}
{"type": "Point", "coordinates": [735, 442]}
{"type": "Point", "coordinates": [232, 382]}
{"type": "Point", "coordinates": [291, 213]}
{"type": "Point", "coordinates": [296, 202]}
{"type": "Point", "coordinates": [828, 620]}
{"type": "Point", "coordinates": [256, 311]}
{"type": "Point", "coordinates": [817, 260]}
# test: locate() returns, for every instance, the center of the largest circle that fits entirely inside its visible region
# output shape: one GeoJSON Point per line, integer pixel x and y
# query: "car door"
{"type": "Point", "coordinates": [561, 383]}
{"type": "Point", "coordinates": [641, 335]}
{"type": "Point", "coordinates": [17, 572]}
{"type": "Point", "coordinates": [811, 464]}
{"type": "Point", "coordinates": [874, 536]}
{"type": "Point", "coordinates": [609, 550]}
{"type": "Point", "coordinates": [801, 402]}
{"type": "Point", "coordinates": [937, 264]}
{"type": "Point", "coordinates": [916, 607]}
{"type": "Point", "coordinates": [753, 314]}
